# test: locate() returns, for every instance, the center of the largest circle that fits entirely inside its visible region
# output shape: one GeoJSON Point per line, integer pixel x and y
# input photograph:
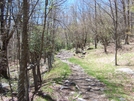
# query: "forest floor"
{"type": "Point", "coordinates": [93, 77]}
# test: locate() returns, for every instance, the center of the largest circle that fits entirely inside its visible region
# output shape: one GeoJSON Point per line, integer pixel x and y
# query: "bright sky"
{"type": "Point", "coordinates": [70, 1]}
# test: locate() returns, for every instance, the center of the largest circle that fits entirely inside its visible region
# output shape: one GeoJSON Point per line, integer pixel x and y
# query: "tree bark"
{"type": "Point", "coordinates": [105, 48]}
{"type": "Point", "coordinates": [128, 21]}
{"type": "Point", "coordinates": [116, 27]}
{"type": "Point", "coordinates": [22, 86]}
{"type": "Point", "coordinates": [3, 64]}
{"type": "Point", "coordinates": [3, 51]}
{"type": "Point", "coordinates": [96, 29]}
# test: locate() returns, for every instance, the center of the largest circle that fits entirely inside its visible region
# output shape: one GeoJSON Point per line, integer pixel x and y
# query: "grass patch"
{"type": "Point", "coordinates": [56, 75]}
{"type": "Point", "coordinates": [59, 72]}
{"type": "Point", "coordinates": [102, 67]}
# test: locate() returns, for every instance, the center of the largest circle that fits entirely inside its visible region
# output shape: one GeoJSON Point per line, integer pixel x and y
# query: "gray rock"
{"type": "Point", "coordinates": [96, 88]}
{"type": "Point", "coordinates": [4, 85]}
{"type": "Point", "coordinates": [93, 84]}
{"type": "Point", "coordinates": [81, 99]}
{"type": "Point", "coordinates": [89, 88]}
{"type": "Point", "coordinates": [122, 99]}
{"type": "Point", "coordinates": [64, 87]}
{"type": "Point", "coordinates": [88, 80]}
{"type": "Point", "coordinates": [72, 93]}
{"type": "Point", "coordinates": [102, 89]}
{"type": "Point", "coordinates": [103, 95]}
{"type": "Point", "coordinates": [125, 70]}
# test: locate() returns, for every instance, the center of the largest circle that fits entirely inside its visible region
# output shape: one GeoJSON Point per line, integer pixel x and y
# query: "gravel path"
{"type": "Point", "coordinates": [79, 86]}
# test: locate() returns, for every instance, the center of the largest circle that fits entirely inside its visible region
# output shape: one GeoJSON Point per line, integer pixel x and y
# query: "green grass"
{"type": "Point", "coordinates": [56, 75]}
{"type": "Point", "coordinates": [59, 72]}
{"type": "Point", "coordinates": [102, 67]}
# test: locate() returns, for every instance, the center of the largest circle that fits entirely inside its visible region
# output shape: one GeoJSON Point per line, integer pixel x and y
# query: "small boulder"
{"type": "Point", "coordinates": [125, 70]}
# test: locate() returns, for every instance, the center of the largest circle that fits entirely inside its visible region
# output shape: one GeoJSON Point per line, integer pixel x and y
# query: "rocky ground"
{"type": "Point", "coordinates": [79, 86]}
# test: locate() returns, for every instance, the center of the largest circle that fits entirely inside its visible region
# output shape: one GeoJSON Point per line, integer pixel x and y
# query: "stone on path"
{"type": "Point", "coordinates": [81, 99]}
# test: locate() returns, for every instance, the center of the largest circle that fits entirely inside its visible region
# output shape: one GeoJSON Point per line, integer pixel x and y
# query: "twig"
{"type": "Point", "coordinates": [77, 96]}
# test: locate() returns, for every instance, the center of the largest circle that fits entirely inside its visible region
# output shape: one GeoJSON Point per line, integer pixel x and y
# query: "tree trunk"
{"type": "Point", "coordinates": [105, 48]}
{"type": "Point", "coordinates": [3, 64]}
{"type": "Point", "coordinates": [38, 72]}
{"type": "Point", "coordinates": [49, 61]}
{"type": "Point", "coordinates": [126, 39]}
{"type": "Point", "coordinates": [3, 44]}
{"type": "Point", "coordinates": [116, 32]}
{"type": "Point", "coordinates": [96, 41]}
{"type": "Point", "coordinates": [96, 32]}
{"type": "Point", "coordinates": [35, 77]}
{"type": "Point", "coordinates": [128, 21]}
{"type": "Point", "coordinates": [22, 86]}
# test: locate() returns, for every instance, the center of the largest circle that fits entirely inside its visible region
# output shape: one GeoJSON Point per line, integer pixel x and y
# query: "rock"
{"type": "Point", "coordinates": [122, 99]}
{"type": "Point", "coordinates": [68, 83]}
{"type": "Point", "coordinates": [14, 93]}
{"type": "Point", "coordinates": [125, 70]}
{"type": "Point", "coordinates": [88, 80]}
{"type": "Point", "coordinates": [64, 87]}
{"type": "Point", "coordinates": [81, 99]}
{"type": "Point", "coordinates": [89, 88]}
{"type": "Point", "coordinates": [102, 89]}
{"type": "Point", "coordinates": [103, 95]}
{"type": "Point", "coordinates": [77, 87]}
{"type": "Point", "coordinates": [96, 88]}
{"type": "Point", "coordinates": [97, 80]}
{"type": "Point", "coordinates": [72, 93]}
{"type": "Point", "coordinates": [4, 85]}
{"type": "Point", "coordinates": [93, 84]}
{"type": "Point", "coordinates": [83, 52]}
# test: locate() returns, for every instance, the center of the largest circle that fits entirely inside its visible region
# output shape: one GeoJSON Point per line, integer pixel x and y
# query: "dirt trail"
{"type": "Point", "coordinates": [80, 86]}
